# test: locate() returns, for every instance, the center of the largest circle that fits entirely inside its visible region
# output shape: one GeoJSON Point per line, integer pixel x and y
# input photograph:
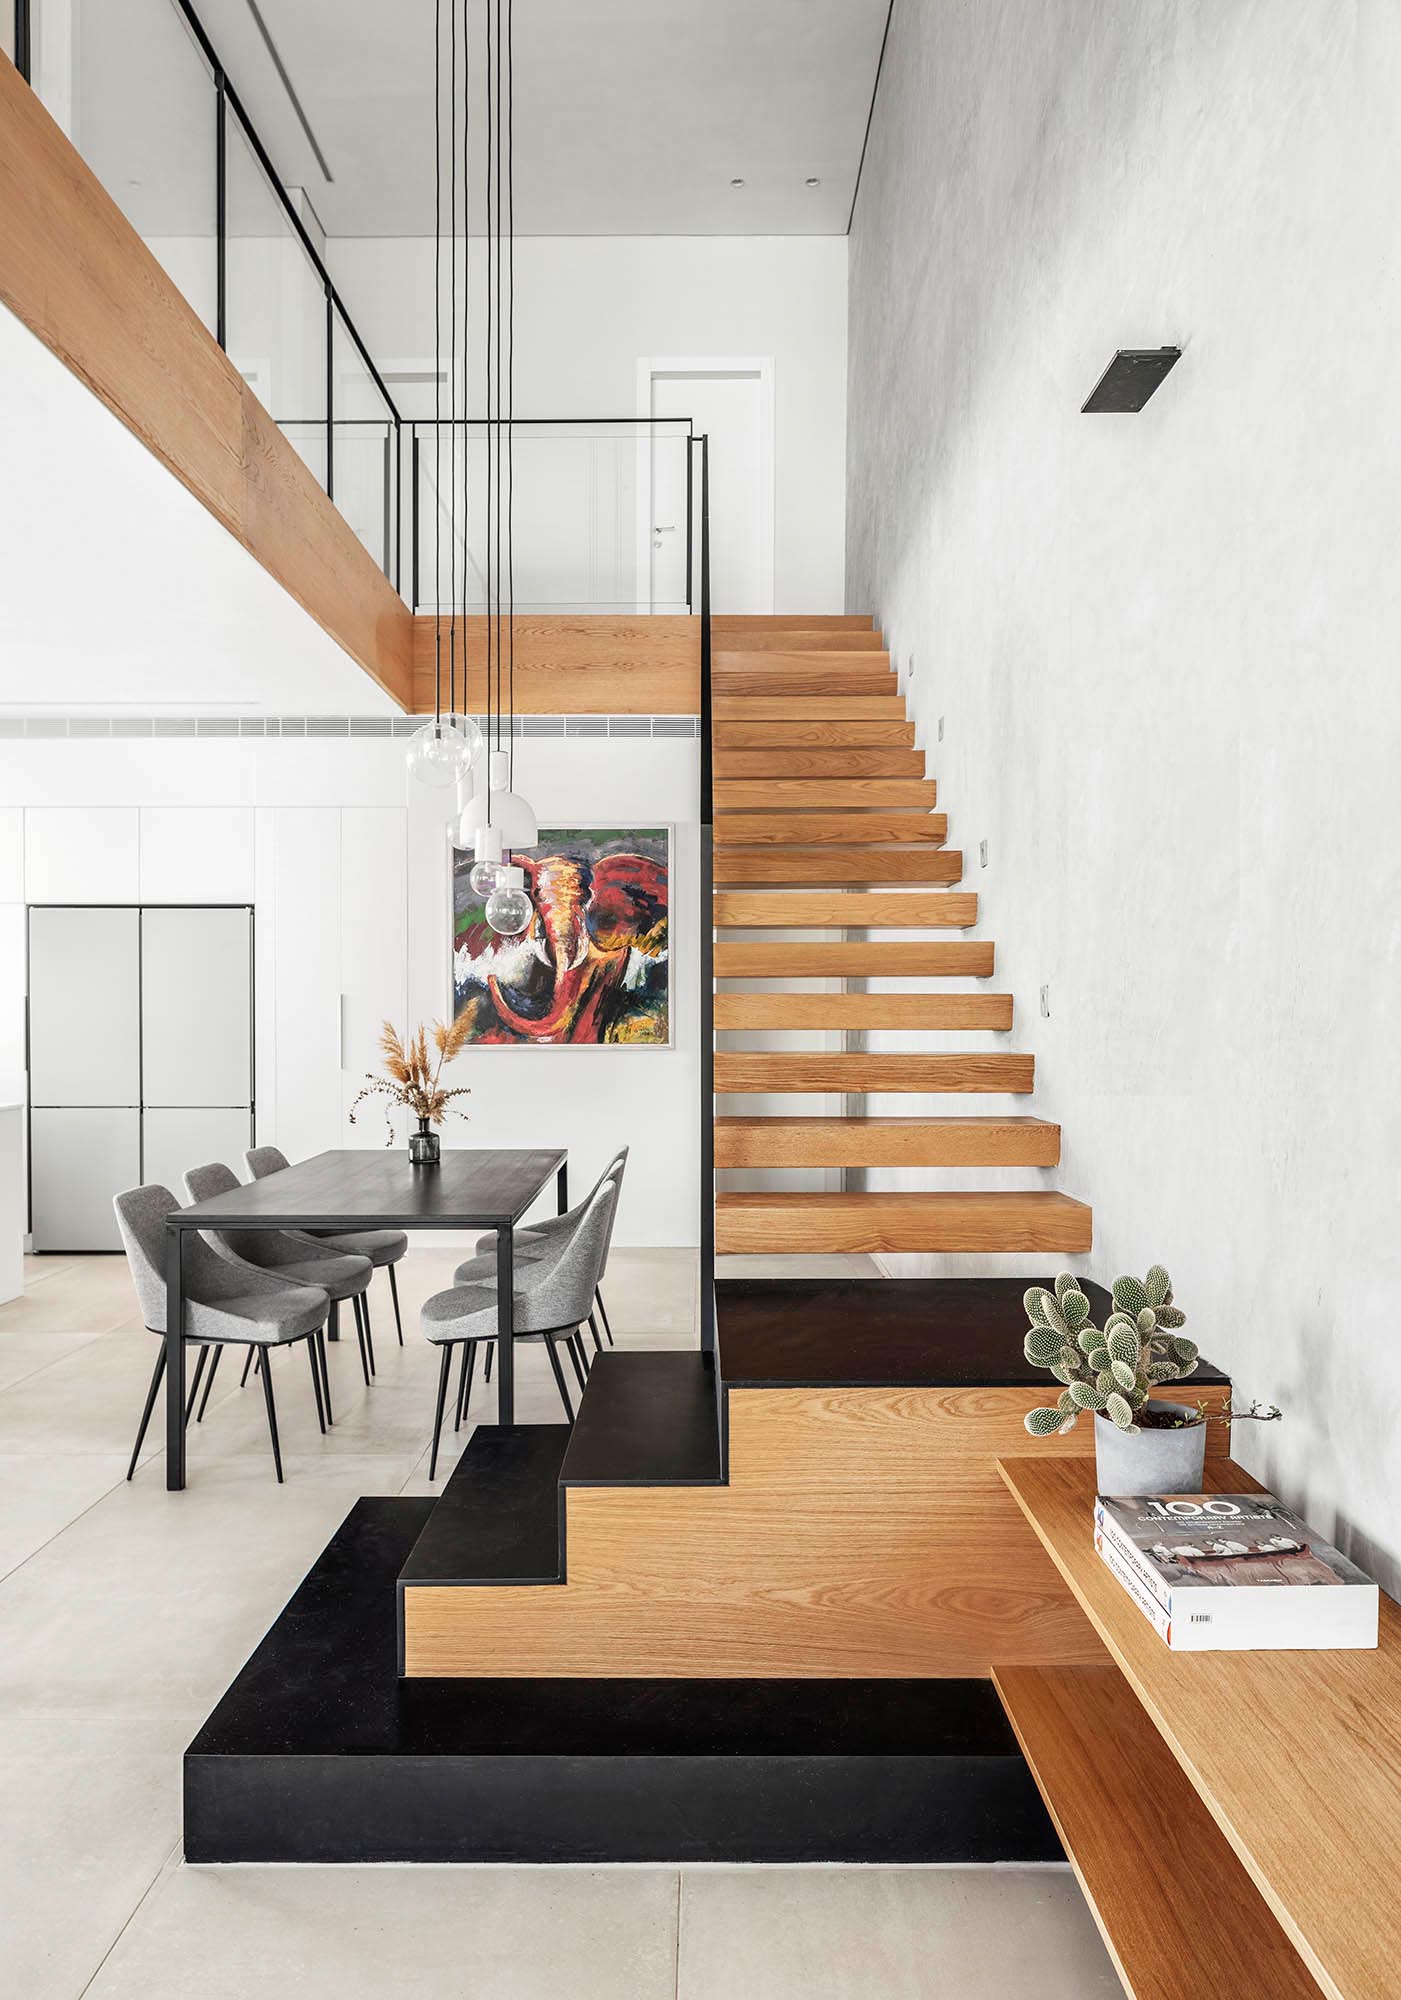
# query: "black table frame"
{"type": "Point", "coordinates": [198, 1217]}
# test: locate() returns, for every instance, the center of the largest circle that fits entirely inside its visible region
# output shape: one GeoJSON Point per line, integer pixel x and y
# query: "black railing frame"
{"type": "Point", "coordinates": [707, 927]}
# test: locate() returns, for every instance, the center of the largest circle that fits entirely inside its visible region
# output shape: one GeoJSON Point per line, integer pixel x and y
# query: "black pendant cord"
{"type": "Point", "coordinates": [466, 322]}
{"type": "Point", "coordinates": [511, 371]}
{"type": "Point", "coordinates": [487, 348]}
{"type": "Point", "coordinates": [437, 373]}
{"type": "Point", "coordinates": [452, 361]}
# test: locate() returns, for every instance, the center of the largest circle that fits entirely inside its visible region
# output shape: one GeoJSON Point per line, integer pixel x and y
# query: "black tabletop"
{"type": "Point", "coordinates": [473, 1188]}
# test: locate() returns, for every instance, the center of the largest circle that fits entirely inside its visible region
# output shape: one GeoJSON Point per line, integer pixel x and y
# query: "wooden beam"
{"type": "Point", "coordinates": [570, 664]}
{"type": "Point", "coordinates": [81, 279]}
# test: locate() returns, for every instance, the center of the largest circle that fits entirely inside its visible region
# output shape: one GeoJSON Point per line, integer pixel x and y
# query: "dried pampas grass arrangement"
{"type": "Point", "coordinates": [413, 1076]}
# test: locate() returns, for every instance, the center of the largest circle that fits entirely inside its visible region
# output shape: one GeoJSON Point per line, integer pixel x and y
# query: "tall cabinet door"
{"type": "Point", "coordinates": [84, 1006]}
{"type": "Point", "coordinates": [197, 1007]}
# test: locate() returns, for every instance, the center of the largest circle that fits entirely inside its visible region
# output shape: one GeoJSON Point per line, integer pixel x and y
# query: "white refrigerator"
{"type": "Point", "coordinates": [140, 1056]}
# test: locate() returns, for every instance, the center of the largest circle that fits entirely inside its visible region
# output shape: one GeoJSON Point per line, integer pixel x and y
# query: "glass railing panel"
{"type": "Point", "coordinates": [130, 86]}
{"type": "Point", "coordinates": [276, 304]}
{"type": "Point", "coordinates": [363, 449]}
{"type": "Point", "coordinates": [600, 511]}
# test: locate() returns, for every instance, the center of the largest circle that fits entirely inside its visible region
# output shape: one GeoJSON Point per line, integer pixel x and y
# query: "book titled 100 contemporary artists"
{"type": "Point", "coordinates": [1234, 1572]}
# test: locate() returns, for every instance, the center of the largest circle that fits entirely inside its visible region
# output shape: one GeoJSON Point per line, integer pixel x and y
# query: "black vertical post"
{"type": "Point", "coordinates": [24, 58]}
{"type": "Point", "coordinates": [505, 1327]}
{"type": "Point", "coordinates": [707, 932]}
{"type": "Point", "coordinates": [330, 391]}
{"type": "Point", "coordinates": [221, 212]}
{"type": "Point", "coordinates": [174, 1359]}
{"type": "Point", "coordinates": [690, 518]}
{"type": "Point", "coordinates": [397, 478]}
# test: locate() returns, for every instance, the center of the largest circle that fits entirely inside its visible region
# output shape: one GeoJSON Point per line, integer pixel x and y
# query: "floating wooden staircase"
{"type": "Point", "coordinates": [823, 807]}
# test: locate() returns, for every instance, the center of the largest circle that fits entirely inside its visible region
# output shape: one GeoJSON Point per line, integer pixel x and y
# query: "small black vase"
{"type": "Point", "coordinates": [425, 1147]}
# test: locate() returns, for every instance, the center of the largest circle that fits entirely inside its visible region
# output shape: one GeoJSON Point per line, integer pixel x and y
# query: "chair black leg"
{"type": "Point", "coordinates": [593, 1329]}
{"type": "Point", "coordinates": [335, 1327]}
{"type": "Point", "coordinates": [194, 1386]}
{"type": "Point", "coordinates": [316, 1381]}
{"type": "Point", "coordinates": [272, 1417]}
{"type": "Point", "coordinates": [362, 1315]}
{"type": "Point", "coordinates": [320, 1338]}
{"type": "Point", "coordinates": [394, 1294]}
{"type": "Point", "coordinates": [486, 1377]}
{"type": "Point", "coordinates": [156, 1374]}
{"type": "Point", "coordinates": [576, 1355]}
{"type": "Point", "coordinates": [364, 1357]}
{"type": "Point", "coordinates": [208, 1384]}
{"type": "Point", "coordinates": [559, 1377]}
{"type": "Point", "coordinates": [444, 1371]}
{"type": "Point", "coordinates": [603, 1314]}
{"type": "Point", "coordinates": [464, 1382]}
{"type": "Point", "coordinates": [249, 1358]}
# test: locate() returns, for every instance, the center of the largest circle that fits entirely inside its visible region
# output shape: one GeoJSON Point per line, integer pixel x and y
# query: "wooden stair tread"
{"type": "Point", "coordinates": [884, 707]}
{"type": "Point", "coordinates": [990, 1012]}
{"type": "Point", "coordinates": [835, 829]}
{"type": "Point", "coordinates": [859, 646]}
{"type": "Point", "coordinates": [1121, 1803]}
{"type": "Point", "coordinates": [751, 959]}
{"type": "Point", "coordinates": [646, 1419]}
{"type": "Point", "coordinates": [789, 732]}
{"type": "Point", "coordinates": [849, 796]}
{"type": "Point", "coordinates": [886, 1142]}
{"type": "Point", "coordinates": [813, 910]}
{"type": "Point", "coordinates": [727, 624]}
{"type": "Point", "coordinates": [762, 1070]}
{"type": "Point", "coordinates": [800, 761]}
{"type": "Point", "coordinates": [947, 1220]}
{"type": "Point", "coordinates": [927, 865]}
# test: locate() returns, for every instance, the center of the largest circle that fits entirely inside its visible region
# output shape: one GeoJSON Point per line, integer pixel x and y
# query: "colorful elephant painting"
{"type": "Point", "coordinates": [591, 967]}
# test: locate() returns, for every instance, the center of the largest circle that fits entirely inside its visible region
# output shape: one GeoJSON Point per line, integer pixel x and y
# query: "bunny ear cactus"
{"type": "Point", "coordinates": [1109, 1372]}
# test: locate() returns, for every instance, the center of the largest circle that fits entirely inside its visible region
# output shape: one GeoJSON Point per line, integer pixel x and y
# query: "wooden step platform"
{"type": "Point", "coordinates": [1120, 1803]}
{"type": "Point", "coordinates": [734, 625]}
{"type": "Point", "coordinates": [873, 1224]}
{"type": "Point", "coordinates": [853, 676]}
{"type": "Point", "coordinates": [796, 1011]}
{"type": "Point", "coordinates": [878, 761]}
{"type": "Point", "coordinates": [925, 866]}
{"type": "Point", "coordinates": [886, 1142]}
{"type": "Point", "coordinates": [838, 829]}
{"type": "Point", "coordinates": [970, 957]}
{"type": "Point", "coordinates": [848, 795]}
{"type": "Point", "coordinates": [785, 638]}
{"type": "Point", "coordinates": [883, 707]}
{"type": "Point", "coordinates": [788, 733]}
{"type": "Point", "coordinates": [779, 1070]}
{"type": "Point", "coordinates": [816, 910]}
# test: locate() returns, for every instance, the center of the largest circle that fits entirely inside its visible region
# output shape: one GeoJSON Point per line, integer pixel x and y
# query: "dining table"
{"type": "Point", "coordinates": [339, 1192]}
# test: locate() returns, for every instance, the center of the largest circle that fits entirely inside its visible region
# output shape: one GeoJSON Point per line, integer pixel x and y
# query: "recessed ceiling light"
{"type": "Point", "coordinates": [812, 181]}
{"type": "Point", "coordinates": [738, 181]}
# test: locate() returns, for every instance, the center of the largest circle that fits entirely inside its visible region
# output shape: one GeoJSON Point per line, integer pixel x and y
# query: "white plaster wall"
{"type": "Point", "coordinates": [1165, 645]}
{"type": "Point", "coordinates": [588, 308]}
{"type": "Point", "coordinates": [348, 876]}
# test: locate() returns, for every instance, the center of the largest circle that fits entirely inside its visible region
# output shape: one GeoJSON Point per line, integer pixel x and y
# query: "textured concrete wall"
{"type": "Point", "coordinates": [1166, 646]}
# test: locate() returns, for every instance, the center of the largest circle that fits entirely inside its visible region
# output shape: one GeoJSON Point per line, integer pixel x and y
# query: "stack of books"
{"type": "Point", "coordinates": [1234, 1573]}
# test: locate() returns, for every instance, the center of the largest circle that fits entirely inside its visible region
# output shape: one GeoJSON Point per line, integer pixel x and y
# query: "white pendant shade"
{"type": "Point", "coordinates": [505, 814]}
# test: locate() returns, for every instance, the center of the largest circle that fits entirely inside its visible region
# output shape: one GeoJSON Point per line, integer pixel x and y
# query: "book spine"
{"type": "Point", "coordinates": [1133, 1557]}
{"type": "Point", "coordinates": [1133, 1589]}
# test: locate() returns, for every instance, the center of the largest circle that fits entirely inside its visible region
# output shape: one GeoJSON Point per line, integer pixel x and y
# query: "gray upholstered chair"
{"type": "Point", "coordinates": [383, 1247]}
{"type": "Point", "coordinates": [550, 1303]}
{"type": "Point", "coordinates": [227, 1303]}
{"type": "Point", "coordinates": [290, 1255]}
{"type": "Point", "coordinates": [536, 1242]}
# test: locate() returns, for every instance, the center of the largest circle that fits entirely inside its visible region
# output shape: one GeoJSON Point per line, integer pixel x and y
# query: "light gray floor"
{"type": "Point", "coordinates": [125, 1611]}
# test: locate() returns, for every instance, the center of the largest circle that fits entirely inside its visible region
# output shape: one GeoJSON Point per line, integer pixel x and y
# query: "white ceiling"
{"type": "Point", "coordinates": [121, 591]}
{"type": "Point", "coordinates": [631, 116]}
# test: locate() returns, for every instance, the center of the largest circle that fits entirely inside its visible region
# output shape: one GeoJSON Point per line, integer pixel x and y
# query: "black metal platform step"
{"type": "Point", "coordinates": [320, 1753]}
{"type": "Point", "coordinates": [646, 1419]}
{"type": "Point", "coordinates": [894, 1333]}
{"type": "Point", "coordinates": [497, 1519]}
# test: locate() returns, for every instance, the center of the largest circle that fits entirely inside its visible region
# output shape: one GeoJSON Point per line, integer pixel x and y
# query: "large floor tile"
{"type": "Point", "coordinates": [900, 1933]}
{"type": "Point", "coordinates": [40, 1496]}
{"type": "Point", "coordinates": [399, 1934]}
{"type": "Point", "coordinates": [86, 1399]}
{"type": "Point", "coordinates": [88, 1814]}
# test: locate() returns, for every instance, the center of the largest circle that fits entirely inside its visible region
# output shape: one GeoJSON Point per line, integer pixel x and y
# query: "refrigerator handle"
{"type": "Point", "coordinates": [341, 1029]}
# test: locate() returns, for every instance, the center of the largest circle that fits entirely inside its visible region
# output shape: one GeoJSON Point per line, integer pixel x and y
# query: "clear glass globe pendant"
{"type": "Point", "coordinates": [441, 753]}
{"type": "Point", "coordinates": [487, 869]}
{"type": "Point", "coordinates": [508, 908]}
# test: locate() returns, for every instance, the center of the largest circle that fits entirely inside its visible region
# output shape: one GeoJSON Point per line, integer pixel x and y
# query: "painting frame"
{"type": "Point", "coordinates": [663, 831]}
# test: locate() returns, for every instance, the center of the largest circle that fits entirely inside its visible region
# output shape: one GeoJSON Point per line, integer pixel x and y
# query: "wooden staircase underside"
{"type": "Point", "coordinates": [828, 843]}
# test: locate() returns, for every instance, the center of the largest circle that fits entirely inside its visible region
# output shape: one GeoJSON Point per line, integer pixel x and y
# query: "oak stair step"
{"type": "Point", "coordinates": [754, 959]}
{"type": "Point", "coordinates": [881, 761]}
{"type": "Point", "coordinates": [729, 625]}
{"type": "Point", "coordinates": [886, 1142]}
{"type": "Point", "coordinates": [851, 677]}
{"type": "Point", "coordinates": [926, 866]}
{"type": "Point", "coordinates": [808, 708]}
{"type": "Point", "coordinates": [837, 829]}
{"type": "Point", "coordinates": [787, 733]}
{"type": "Point", "coordinates": [646, 1419]}
{"type": "Point", "coordinates": [811, 909]}
{"type": "Point", "coordinates": [822, 1070]}
{"type": "Point", "coordinates": [848, 796]}
{"type": "Point", "coordinates": [991, 1012]}
{"type": "Point", "coordinates": [876, 1224]}
{"type": "Point", "coordinates": [795, 638]}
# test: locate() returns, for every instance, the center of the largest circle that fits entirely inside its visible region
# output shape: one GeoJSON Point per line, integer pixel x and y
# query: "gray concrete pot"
{"type": "Point", "coordinates": [1150, 1461]}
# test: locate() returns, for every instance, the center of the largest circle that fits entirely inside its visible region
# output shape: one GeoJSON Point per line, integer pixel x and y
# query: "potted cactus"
{"type": "Point", "coordinates": [1143, 1444]}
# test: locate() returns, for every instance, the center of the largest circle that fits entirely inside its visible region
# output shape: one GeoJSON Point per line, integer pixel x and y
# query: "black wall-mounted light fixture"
{"type": "Point", "coordinates": [1130, 379]}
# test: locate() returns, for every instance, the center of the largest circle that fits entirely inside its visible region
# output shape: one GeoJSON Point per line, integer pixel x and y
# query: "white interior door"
{"type": "Point", "coordinates": [731, 402]}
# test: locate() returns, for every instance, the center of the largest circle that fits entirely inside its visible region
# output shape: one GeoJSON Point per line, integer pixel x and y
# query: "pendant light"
{"type": "Point", "coordinates": [440, 754]}
{"type": "Point", "coordinates": [508, 908]}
